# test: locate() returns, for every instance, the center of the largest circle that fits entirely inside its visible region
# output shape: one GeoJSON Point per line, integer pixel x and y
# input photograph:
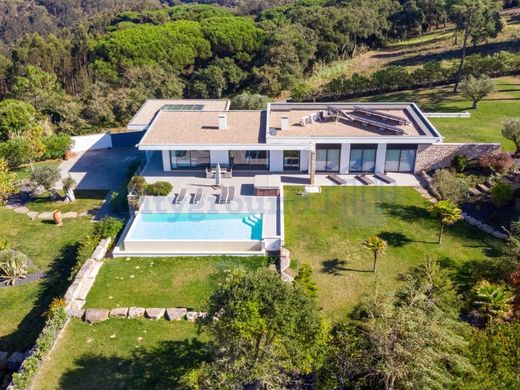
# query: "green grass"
{"type": "Point", "coordinates": [52, 250]}
{"type": "Point", "coordinates": [326, 231]}
{"type": "Point", "coordinates": [162, 282]}
{"type": "Point", "coordinates": [485, 124]}
{"type": "Point", "coordinates": [85, 200]}
{"type": "Point", "coordinates": [24, 172]}
{"type": "Point", "coordinates": [121, 353]}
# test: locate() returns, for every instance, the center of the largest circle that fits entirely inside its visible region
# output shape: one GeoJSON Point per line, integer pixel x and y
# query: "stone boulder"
{"type": "Point", "coordinates": [119, 312]}
{"type": "Point", "coordinates": [73, 312]}
{"type": "Point", "coordinates": [155, 313]}
{"type": "Point", "coordinates": [175, 314]}
{"type": "Point", "coordinates": [193, 315]}
{"type": "Point", "coordinates": [136, 312]}
{"type": "Point", "coordinates": [96, 315]}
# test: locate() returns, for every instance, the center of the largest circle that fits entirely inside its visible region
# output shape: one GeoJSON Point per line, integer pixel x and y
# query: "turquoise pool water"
{"type": "Point", "coordinates": [194, 226]}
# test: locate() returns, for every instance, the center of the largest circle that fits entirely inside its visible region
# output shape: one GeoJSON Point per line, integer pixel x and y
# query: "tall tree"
{"type": "Point", "coordinates": [511, 131]}
{"type": "Point", "coordinates": [477, 88]}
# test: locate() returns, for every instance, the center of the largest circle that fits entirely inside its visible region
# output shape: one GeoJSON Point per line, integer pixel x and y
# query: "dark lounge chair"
{"type": "Point", "coordinates": [336, 179]}
{"type": "Point", "coordinates": [384, 178]}
{"type": "Point", "coordinates": [181, 196]}
{"type": "Point", "coordinates": [198, 196]}
{"type": "Point", "coordinates": [364, 179]}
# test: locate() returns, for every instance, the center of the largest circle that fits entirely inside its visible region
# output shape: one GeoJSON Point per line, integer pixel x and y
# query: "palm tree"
{"type": "Point", "coordinates": [494, 302]}
{"type": "Point", "coordinates": [378, 247]}
{"type": "Point", "coordinates": [447, 213]}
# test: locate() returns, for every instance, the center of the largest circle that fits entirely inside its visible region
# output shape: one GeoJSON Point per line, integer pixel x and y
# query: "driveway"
{"type": "Point", "coordinates": [103, 169]}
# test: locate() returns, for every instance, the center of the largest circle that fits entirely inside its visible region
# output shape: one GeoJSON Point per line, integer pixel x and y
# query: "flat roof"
{"type": "Point", "coordinates": [201, 128]}
{"type": "Point", "coordinates": [151, 107]}
{"type": "Point", "coordinates": [361, 124]}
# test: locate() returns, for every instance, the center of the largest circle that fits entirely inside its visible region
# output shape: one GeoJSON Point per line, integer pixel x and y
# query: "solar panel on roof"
{"type": "Point", "coordinates": [183, 107]}
{"type": "Point", "coordinates": [381, 115]}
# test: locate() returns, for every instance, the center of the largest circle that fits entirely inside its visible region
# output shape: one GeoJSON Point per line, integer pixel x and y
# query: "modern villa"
{"type": "Point", "coordinates": [229, 167]}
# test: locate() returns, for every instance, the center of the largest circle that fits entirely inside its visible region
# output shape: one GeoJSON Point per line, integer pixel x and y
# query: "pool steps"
{"type": "Point", "coordinates": [252, 220]}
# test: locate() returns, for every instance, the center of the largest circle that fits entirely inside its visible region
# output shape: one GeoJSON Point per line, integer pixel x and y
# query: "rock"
{"type": "Point", "coordinates": [15, 361]}
{"type": "Point", "coordinates": [73, 312]}
{"type": "Point", "coordinates": [21, 210]}
{"type": "Point", "coordinates": [45, 215]}
{"type": "Point", "coordinates": [32, 215]}
{"type": "Point", "coordinates": [96, 315]}
{"type": "Point", "coordinates": [70, 214]}
{"type": "Point", "coordinates": [488, 229]}
{"type": "Point", "coordinates": [175, 314]}
{"type": "Point", "coordinates": [136, 312]}
{"type": "Point", "coordinates": [119, 312]}
{"type": "Point", "coordinates": [193, 315]}
{"type": "Point", "coordinates": [155, 313]}
{"type": "Point", "coordinates": [84, 214]}
{"type": "Point", "coordinates": [3, 360]}
{"type": "Point", "coordinates": [500, 235]}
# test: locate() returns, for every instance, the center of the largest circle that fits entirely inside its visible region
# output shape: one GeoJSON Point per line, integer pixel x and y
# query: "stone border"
{"type": "Point", "coordinates": [153, 313]}
{"type": "Point", "coordinates": [285, 263]}
{"type": "Point", "coordinates": [47, 215]}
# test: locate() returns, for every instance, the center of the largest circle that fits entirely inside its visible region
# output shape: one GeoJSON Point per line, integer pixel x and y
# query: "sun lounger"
{"type": "Point", "coordinates": [364, 179]}
{"type": "Point", "coordinates": [384, 178]}
{"type": "Point", "coordinates": [223, 195]}
{"type": "Point", "coordinates": [483, 188]}
{"type": "Point", "coordinates": [474, 191]}
{"type": "Point", "coordinates": [198, 196]}
{"type": "Point", "coordinates": [231, 194]}
{"type": "Point", "coordinates": [181, 196]}
{"type": "Point", "coordinates": [336, 179]}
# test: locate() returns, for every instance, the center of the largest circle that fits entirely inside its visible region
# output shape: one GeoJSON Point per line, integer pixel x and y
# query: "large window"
{"type": "Point", "coordinates": [400, 158]}
{"type": "Point", "coordinates": [327, 157]}
{"type": "Point", "coordinates": [186, 159]}
{"type": "Point", "coordinates": [291, 160]}
{"type": "Point", "coordinates": [363, 158]}
{"type": "Point", "coordinates": [249, 159]}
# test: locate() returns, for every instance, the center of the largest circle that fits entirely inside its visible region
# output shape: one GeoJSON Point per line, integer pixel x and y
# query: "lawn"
{"type": "Point", "coordinates": [163, 282]}
{"type": "Point", "coordinates": [52, 250]}
{"type": "Point", "coordinates": [85, 200]}
{"type": "Point", "coordinates": [485, 124]}
{"type": "Point", "coordinates": [346, 216]}
{"type": "Point", "coordinates": [121, 353]}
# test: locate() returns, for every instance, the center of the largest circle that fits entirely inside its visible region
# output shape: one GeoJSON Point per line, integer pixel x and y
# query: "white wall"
{"type": "Point", "coordinates": [344, 161]}
{"type": "Point", "coordinates": [167, 164]}
{"type": "Point", "coordinates": [276, 160]}
{"type": "Point", "coordinates": [219, 156]}
{"type": "Point", "coordinates": [305, 156]}
{"type": "Point", "coordinates": [83, 143]}
{"type": "Point", "coordinates": [380, 158]}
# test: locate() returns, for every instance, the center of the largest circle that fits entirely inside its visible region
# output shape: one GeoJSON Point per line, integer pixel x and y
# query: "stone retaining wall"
{"type": "Point", "coordinates": [440, 155]}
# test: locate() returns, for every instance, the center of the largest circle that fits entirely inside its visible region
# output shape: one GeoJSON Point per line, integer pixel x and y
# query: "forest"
{"type": "Point", "coordinates": [75, 67]}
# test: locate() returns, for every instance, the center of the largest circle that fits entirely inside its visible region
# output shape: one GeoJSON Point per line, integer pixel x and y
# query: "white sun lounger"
{"type": "Point", "coordinates": [231, 194]}
{"type": "Point", "coordinates": [181, 196]}
{"type": "Point", "coordinates": [198, 196]}
{"type": "Point", "coordinates": [223, 195]}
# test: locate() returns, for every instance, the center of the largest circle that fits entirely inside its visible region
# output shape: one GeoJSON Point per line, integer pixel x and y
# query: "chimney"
{"type": "Point", "coordinates": [222, 122]}
{"type": "Point", "coordinates": [285, 123]}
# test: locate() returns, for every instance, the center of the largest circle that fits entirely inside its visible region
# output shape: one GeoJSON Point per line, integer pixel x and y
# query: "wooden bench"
{"type": "Point", "coordinates": [384, 178]}
{"type": "Point", "coordinates": [364, 179]}
{"type": "Point", "coordinates": [336, 179]}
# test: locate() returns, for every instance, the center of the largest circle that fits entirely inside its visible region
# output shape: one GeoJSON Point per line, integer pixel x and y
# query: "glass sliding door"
{"type": "Point", "coordinates": [249, 159]}
{"type": "Point", "coordinates": [189, 159]}
{"type": "Point", "coordinates": [362, 158]}
{"type": "Point", "coordinates": [327, 157]}
{"type": "Point", "coordinates": [291, 160]}
{"type": "Point", "coordinates": [400, 158]}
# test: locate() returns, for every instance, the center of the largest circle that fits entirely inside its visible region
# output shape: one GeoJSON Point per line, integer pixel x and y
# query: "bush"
{"type": "Point", "coordinates": [501, 194]}
{"type": "Point", "coordinates": [459, 162]}
{"type": "Point", "coordinates": [160, 188]}
{"type": "Point", "coordinates": [247, 101]}
{"type": "Point", "coordinates": [56, 146]}
{"type": "Point", "coordinates": [4, 244]}
{"type": "Point", "coordinates": [46, 177]}
{"type": "Point", "coordinates": [14, 265]}
{"type": "Point", "coordinates": [15, 152]}
{"type": "Point", "coordinates": [138, 185]}
{"type": "Point", "coordinates": [108, 227]}
{"type": "Point", "coordinates": [498, 162]}
{"type": "Point", "coordinates": [7, 182]}
{"type": "Point", "coordinates": [450, 186]}
{"type": "Point", "coordinates": [85, 250]}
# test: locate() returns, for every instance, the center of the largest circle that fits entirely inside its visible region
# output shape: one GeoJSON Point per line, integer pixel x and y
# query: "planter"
{"type": "Point", "coordinates": [57, 217]}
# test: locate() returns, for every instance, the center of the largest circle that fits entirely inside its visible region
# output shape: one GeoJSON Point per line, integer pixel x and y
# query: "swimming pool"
{"type": "Point", "coordinates": [196, 226]}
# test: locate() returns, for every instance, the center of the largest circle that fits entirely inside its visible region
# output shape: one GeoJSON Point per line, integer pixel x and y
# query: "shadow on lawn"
{"type": "Point", "coordinates": [162, 367]}
{"type": "Point", "coordinates": [55, 284]}
{"type": "Point", "coordinates": [406, 212]}
{"type": "Point", "coordinates": [395, 239]}
{"type": "Point", "coordinates": [336, 267]}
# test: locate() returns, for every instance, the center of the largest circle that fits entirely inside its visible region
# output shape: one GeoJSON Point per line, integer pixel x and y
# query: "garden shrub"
{"type": "Point", "coordinates": [56, 319]}
{"type": "Point", "coordinates": [85, 250]}
{"type": "Point", "coordinates": [107, 227]}
{"type": "Point", "coordinates": [14, 265]}
{"type": "Point", "coordinates": [47, 177]}
{"type": "Point", "coordinates": [56, 146]}
{"type": "Point", "coordinates": [450, 185]}
{"type": "Point", "coordinates": [459, 162]}
{"type": "Point", "coordinates": [138, 185]}
{"type": "Point", "coordinates": [160, 188]}
{"type": "Point", "coordinates": [4, 244]}
{"type": "Point", "coordinates": [15, 152]}
{"type": "Point", "coordinates": [8, 181]}
{"type": "Point", "coordinates": [498, 162]}
{"type": "Point", "coordinates": [501, 194]}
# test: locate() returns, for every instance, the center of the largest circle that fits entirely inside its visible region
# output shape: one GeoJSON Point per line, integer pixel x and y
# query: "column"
{"type": "Point", "coordinates": [276, 161]}
{"type": "Point", "coordinates": [219, 156]}
{"type": "Point", "coordinates": [380, 158]}
{"type": "Point", "coordinates": [167, 164]}
{"type": "Point", "coordinates": [312, 167]}
{"type": "Point", "coordinates": [344, 160]}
